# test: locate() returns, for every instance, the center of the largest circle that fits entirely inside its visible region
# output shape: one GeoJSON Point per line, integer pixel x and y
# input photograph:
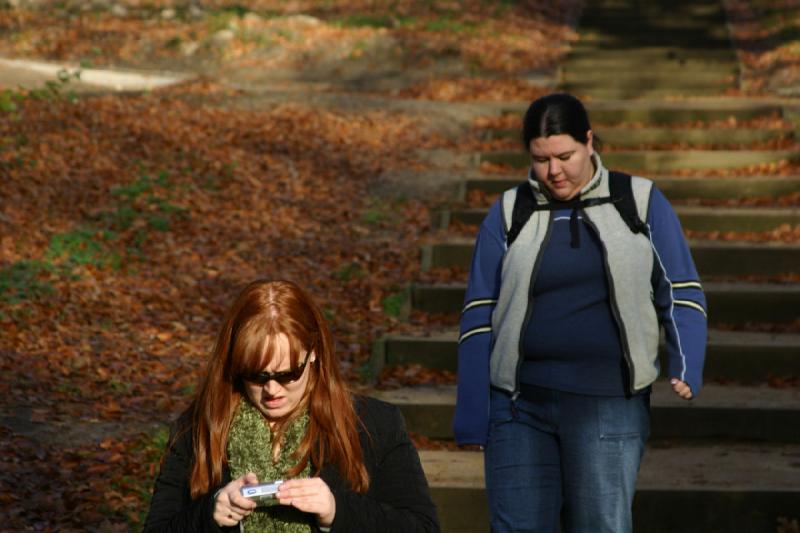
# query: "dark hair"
{"type": "Point", "coordinates": [555, 114]}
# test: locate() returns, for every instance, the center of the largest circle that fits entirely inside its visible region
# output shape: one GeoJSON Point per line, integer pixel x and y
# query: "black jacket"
{"type": "Point", "coordinates": [398, 499]}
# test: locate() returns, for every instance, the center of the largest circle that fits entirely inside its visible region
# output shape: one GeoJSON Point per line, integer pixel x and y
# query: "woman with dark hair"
{"type": "Point", "coordinates": [273, 406]}
{"type": "Point", "coordinates": [574, 273]}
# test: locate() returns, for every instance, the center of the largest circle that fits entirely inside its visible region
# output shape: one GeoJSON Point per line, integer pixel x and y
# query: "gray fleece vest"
{"type": "Point", "coordinates": [629, 264]}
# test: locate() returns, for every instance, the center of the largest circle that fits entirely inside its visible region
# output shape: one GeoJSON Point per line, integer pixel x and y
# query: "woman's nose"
{"type": "Point", "coordinates": [554, 167]}
{"type": "Point", "coordinates": [272, 387]}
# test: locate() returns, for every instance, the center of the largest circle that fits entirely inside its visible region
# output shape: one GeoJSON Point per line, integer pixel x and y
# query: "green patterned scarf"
{"type": "Point", "coordinates": [250, 450]}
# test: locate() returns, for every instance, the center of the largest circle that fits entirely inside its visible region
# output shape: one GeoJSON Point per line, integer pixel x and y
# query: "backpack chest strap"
{"type": "Point", "coordinates": [577, 206]}
{"type": "Point", "coordinates": [621, 195]}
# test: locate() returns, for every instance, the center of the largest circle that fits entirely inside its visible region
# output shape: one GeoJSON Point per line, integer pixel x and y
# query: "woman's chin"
{"type": "Point", "coordinates": [562, 195]}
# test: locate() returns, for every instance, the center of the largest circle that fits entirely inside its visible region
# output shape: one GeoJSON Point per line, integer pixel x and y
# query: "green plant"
{"type": "Point", "coordinates": [379, 210]}
{"type": "Point", "coordinates": [21, 281]}
{"type": "Point", "coordinates": [121, 218]}
{"type": "Point", "coordinates": [329, 313]}
{"type": "Point", "coordinates": [133, 190]}
{"type": "Point", "coordinates": [350, 271]}
{"type": "Point", "coordinates": [374, 216]}
{"type": "Point", "coordinates": [148, 450]}
{"type": "Point", "coordinates": [158, 223]}
{"type": "Point", "coordinates": [7, 101]}
{"type": "Point", "coordinates": [221, 20]}
{"type": "Point", "coordinates": [173, 42]}
{"type": "Point", "coordinates": [54, 89]}
{"type": "Point", "coordinates": [394, 304]}
{"type": "Point", "coordinates": [69, 389]}
{"type": "Point", "coordinates": [286, 34]}
{"type": "Point", "coordinates": [84, 246]}
{"type": "Point", "coordinates": [371, 21]}
{"type": "Point", "coordinates": [366, 372]}
{"type": "Point", "coordinates": [157, 214]}
{"type": "Point", "coordinates": [240, 10]}
{"type": "Point", "coordinates": [448, 25]}
{"type": "Point", "coordinates": [119, 387]}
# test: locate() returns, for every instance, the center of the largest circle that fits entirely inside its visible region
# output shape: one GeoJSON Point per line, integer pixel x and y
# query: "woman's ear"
{"type": "Point", "coordinates": [589, 138]}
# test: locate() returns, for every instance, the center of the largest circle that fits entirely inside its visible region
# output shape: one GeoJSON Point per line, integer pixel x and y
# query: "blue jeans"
{"type": "Point", "coordinates": [561, 457]}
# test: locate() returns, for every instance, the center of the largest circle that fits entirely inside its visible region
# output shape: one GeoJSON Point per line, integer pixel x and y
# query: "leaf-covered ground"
{"type": "Point", "coordinates": [128, 225]}
{"type": "Point", "coordinates": [766, 34]}
{"type": "Point", "coordinates": [128, 222]}
{"type": "Point", "coordinates": [419, 49]}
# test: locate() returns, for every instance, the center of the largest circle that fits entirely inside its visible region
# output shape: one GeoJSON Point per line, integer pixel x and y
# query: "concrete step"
{"type": "Point", "coordinates": [625, 63]}
{"type": "Point", "coordinates": [668, 5]}
{"type": "Point", "coordinates": [730, 303]}
{"type": "Point", "coordinates": [651, 81]}
{"type": "Point", "coordinates": [712, 258]}
{"type": "Point", "coordinates": [692, 217]}
{"type": "Point", "coordinates": [664, 161]}
{"type": "Point", "coordinates": [722, 486]}
{"type": "Point", "coordinates": [640, 92]}
{"type": "Point", "coordinates": [628, 26]}
{"type": "Point", "coordinates": [672, 12]}
{"type": "Point", "coordinates": [744, 357]}
{"type": "Point", "coordinates": [736, 219]}
{"type": "Point", "coordinates": [582, 51]}
{"type": "Point", "coordinates": [639, 21]}
{"type": "Point", "coordinates": [720, 411]}
{"type": "Point", "coordinates": [666, 78]}
{"type": "Point", "coordinates": [710, 38]}
{"type": "Point", "coordinates": [631, 137]}
{"type": "Point", "coordinates": [585, 58]}
{"type": "Point", "coordinates": [675, 188]}
{"type": "Point", "coordinates": [653, 112]}
{"type": "Point", "coordinates": [632, 25]}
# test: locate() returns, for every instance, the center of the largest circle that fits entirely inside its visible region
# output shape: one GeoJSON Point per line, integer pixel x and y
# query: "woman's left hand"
{"type": "Point", "coordinates": [311, 495]}
{"type": "Point", "coordinates": [681, 388]}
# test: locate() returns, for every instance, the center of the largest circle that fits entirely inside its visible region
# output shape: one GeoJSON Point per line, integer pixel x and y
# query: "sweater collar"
{"type": "Point", "coordinates": [596, 187]}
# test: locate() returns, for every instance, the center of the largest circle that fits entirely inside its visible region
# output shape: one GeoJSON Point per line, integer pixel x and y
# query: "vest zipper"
{"type": "Point", "coordinates": [615, 310]}
{"type": "Point", "coordinates": [529, 308]}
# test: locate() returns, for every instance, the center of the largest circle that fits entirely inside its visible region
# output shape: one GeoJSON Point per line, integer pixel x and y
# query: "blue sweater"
{"type": "Point", "coordinates": [571, 294]}
{"type": "Point", "coordinates": [677, 297]}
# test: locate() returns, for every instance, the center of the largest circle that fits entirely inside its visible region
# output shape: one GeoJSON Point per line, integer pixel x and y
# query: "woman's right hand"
{"type": "Point", "coordinates": [230, 507]}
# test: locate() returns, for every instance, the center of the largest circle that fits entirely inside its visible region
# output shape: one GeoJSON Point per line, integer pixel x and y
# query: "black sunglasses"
{"type": "Point", "coordinates": [283, 378]}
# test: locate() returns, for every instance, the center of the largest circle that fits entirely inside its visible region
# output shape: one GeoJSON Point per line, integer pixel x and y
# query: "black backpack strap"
{"type": "Point", "coordinates": [619, 185]}
{"type": "Point", "coordinates": [621, 195]}
{"type": "Point", "coordinates": [524, 206]}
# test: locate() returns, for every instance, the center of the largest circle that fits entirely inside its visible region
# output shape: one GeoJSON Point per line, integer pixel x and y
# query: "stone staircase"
{"type": "Point", "coordinates": [652, 49]}
{"type": "Point", "coordinates": [730, 459]}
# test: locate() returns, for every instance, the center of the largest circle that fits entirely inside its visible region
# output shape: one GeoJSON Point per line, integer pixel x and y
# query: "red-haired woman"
{"type": "Point", "coordinates": [274, 406]}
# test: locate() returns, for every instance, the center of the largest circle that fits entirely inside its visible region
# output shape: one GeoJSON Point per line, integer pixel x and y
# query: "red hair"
{"type": "Point", "coordinates": [263, 310]}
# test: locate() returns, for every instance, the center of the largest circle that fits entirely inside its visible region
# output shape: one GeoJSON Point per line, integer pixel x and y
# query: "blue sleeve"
{"type": "Point", "coordinates": [471, 422]}
{"type": "Point", "coordinates": [678, 295]}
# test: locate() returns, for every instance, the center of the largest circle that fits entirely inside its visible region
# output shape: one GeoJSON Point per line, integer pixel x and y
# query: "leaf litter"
{"type": "Point", "coordinates": [129, 222]}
